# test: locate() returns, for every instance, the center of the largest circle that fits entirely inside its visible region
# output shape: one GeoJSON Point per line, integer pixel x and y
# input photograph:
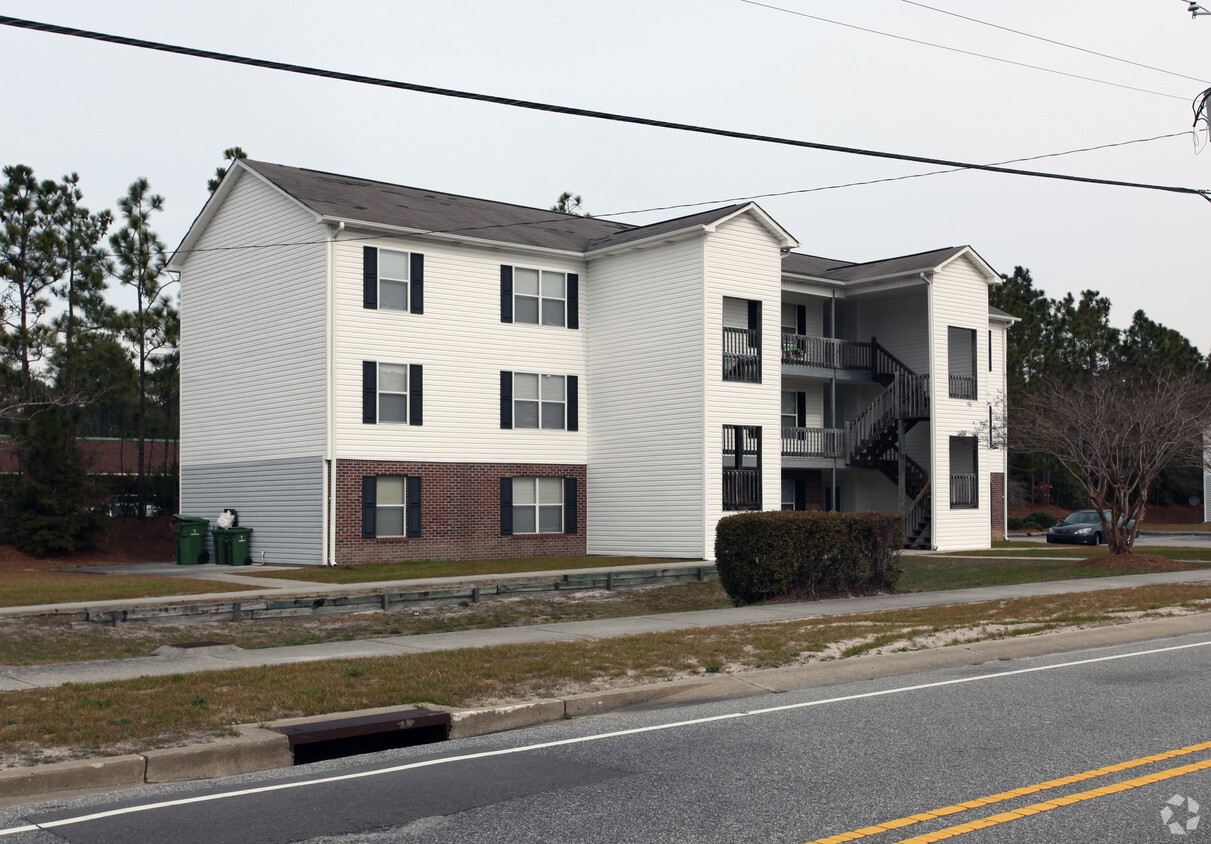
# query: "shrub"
{"type": "Point", "coordinates": [1015, 523]}
{"type": "Point", "coordinates": [766, 554]}
{"type": "Point", "coordinates": [1040, 520]}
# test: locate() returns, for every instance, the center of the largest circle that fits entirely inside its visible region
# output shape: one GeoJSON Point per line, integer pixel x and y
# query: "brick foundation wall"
{"type": "Point", "coordinates": [460, 513]}
{"type": "Point", "coordinates": [997, 483]}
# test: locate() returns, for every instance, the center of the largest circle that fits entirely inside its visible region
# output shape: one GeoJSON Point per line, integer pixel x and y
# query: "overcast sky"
{"type": "Point", "coordinates": [115, 113]}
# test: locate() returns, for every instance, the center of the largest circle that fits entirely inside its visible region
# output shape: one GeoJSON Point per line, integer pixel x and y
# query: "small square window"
{"type": "Point", "coordinates": [539, 297]}
{"type": "Point", "coordinates": [538, 505]}
{"type": "Point", "coordinates": [539, 401]}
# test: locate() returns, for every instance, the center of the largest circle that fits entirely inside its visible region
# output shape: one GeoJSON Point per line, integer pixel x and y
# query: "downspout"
{"type": "Point", "coordinates": [331, 488]}
{"type": "Point", "coordinates": [832, 404]}
{"type": "Point", "coordinates": [927, 279]}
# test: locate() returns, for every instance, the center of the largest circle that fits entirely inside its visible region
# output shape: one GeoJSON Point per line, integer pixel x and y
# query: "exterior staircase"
{"type": "Point", "coordinates": [872, 438]}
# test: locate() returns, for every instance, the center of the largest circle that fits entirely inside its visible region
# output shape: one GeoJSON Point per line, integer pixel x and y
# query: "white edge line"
{"type": "Point", "coordinates": [580, 740]}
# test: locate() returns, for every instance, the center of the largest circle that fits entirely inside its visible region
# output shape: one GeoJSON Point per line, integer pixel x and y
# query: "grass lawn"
{"type": "Point", "coordinates": [1077, 552]}
{"type": "Point", "coordinates": [30, 588]}
{"type": "Point", "coordinates": [457, 568]}
{"type": "Point", "coordinates": [100, 719]}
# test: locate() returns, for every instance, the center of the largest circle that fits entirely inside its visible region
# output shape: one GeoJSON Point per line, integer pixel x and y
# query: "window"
{"type": "Point", "coordinates": [538, 505]}
{"type": "Point", "coordinates": [791, 403]}
{"type": "Point", "coordinates": [741, 467]}
{"type": "Point", "coordinates": [391, 392]}
{"type": "Point", "coordinates": [533, 400]}
{"type": "Point", "coordinates": [391, 506]}
{"type": "Point", "coordinates": [393, 280]}
{"type": "Point", "coordinates": [539, 297]}
{"type": "Point", "coordinates": [788, 494]}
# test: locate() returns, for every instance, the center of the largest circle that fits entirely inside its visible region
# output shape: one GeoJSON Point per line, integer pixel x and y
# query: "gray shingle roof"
{"type": "Point", "coordinates": [365, 200]}
{"type": "Point", "coordinates": [811, 265]}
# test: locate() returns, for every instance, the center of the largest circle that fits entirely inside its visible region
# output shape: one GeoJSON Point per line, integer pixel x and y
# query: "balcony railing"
{"type": "Point", "coordinates": [813, 442]}
{"type": "Point", "coordinates": [963, 491]}
{"type": "Point", "coordinates": [742, 355]}
{"type": "Point", "coordinates": [962, 386]}
{"type": "Point", "coordinates": [741, 489]}
{"type": "Point", "coordinates": [825, 352]}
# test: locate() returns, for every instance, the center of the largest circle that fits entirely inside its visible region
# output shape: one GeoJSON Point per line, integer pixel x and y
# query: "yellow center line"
{"type": "Point", "coordinates": [934, 814]}
{"type": "Point", "coordinates": [1026, 811]}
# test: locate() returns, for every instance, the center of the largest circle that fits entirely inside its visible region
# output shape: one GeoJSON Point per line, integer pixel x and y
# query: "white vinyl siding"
{"type": "Point", "coordinates": [647, 367]}
{"type": "Point", "coordinates": [253, 374]}
{"type": "Point", "coordinates": [743, 261]}
{"type": "Point", "coordinates": [462, 346]}
{"type": "Point", "coordinates": [959, 298]}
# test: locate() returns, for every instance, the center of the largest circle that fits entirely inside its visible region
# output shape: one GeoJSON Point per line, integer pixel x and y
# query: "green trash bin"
{"type": "Point", "coordinates": [189, 534]}
{"type": "Point", "coordinates": [231, 546]}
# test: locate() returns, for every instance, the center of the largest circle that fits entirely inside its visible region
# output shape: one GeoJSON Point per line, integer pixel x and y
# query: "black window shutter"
{"type": "Point", "coordinates": [369, 277]}
{"type": "Point", "coordinates": [369, 392]}
{"type": "Point", "coordinates": [413, 497]}
{"type": "Point", "coordinates": [506, 399]}
{"type": "Point", "coordinates": [506, 293]}
{"type": "Point", "coordinates": [574, 301]}
{"type": "Point", "coordinates": [801, 409]}
{"type": "Point", "coordinates": [800, 494]}
{"type": "Point", "coordinates": [369, 498]}
{"type": "Point", "coordinates": [754, 315]}
{"type": "Point", "coordinates": [569, 505]}
{"type": "Point", "coordinates": [417, 283]}
{"type": "Point", "coordinates": [415, 395]}
{"type": "Point", "coordinates": [800, 319]}
{"type": "Point", "coordinates": [573, 403]}
{"type": "Point", "coordinates": [506, 506]}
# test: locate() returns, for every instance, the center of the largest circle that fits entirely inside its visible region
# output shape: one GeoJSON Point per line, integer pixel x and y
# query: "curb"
{"type": "Point", "coordinates": [260, 749]}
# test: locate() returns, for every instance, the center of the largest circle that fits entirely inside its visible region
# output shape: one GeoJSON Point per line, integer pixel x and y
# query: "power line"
{"type": "Point", "coordinates": [729, 200]}
{"type": "Point", "coordinates": [1053, 41]}
{"type": "Point", "coordinates": [962, 51]}
{"type": "Point", "coordinates": [21, 23]}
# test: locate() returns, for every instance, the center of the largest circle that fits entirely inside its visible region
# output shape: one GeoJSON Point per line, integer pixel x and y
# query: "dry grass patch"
{"type": "Point", "coordinates": [22, 589]}
{"type": "Point", "coordinates": [118, 717]}
{"type": "Point", "coordinates": [45, 640]}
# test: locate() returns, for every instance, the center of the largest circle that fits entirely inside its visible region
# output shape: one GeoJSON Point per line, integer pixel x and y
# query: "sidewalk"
{"type": "Point", "coordinates": [170, 660]}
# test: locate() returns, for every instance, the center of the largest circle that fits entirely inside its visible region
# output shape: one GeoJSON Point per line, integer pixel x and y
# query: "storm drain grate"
{"type": "Point", "coordinates": [315, 741]}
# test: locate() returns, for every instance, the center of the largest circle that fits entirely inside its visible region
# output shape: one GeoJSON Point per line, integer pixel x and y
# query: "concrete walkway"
{"type": "Point", "coordinates": [181, 661]}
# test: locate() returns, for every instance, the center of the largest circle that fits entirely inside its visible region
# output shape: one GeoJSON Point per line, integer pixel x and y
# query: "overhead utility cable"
{"type": "Point", "coordinates": [730, 200]}
{"type": "Point", "coordinates": [569, 110]}
{"type": "Point", "coordinates": [1052, 41]}
{"type": "Point", "coordinates": [962, 51]}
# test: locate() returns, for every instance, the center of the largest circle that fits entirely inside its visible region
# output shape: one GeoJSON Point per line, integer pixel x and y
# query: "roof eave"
{"type": "Point", "coordinates": [404, 231]}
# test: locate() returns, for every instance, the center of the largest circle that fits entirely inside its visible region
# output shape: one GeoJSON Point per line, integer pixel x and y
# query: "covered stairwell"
{"type": "Point", "coordinates": [873, 439]}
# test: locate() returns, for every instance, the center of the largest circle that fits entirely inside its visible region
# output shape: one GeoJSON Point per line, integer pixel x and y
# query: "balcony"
{"type": "Point", "coordinates": [741, 489]}
{"type": "Point", "coordinates": [826, 352]}
{"type": "Point", "coordinates": [813, 442]}
{"type": "Point", "coordinates": [962, 386]}
{"type": "Point", "coordinates": [742, 355]}
{"type": "Point", "coordinates": [963, 491]}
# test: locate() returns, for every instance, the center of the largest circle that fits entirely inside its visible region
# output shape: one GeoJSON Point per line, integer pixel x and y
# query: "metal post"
{"type": "Point", "coordinates": [900, 455]}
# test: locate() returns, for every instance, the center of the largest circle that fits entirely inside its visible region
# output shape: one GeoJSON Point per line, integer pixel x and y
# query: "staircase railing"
{"type": "Point", "coordinates": [873, 424]}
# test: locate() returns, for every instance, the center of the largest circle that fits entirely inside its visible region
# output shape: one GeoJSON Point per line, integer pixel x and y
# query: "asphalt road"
{"type": "Point", "coordinates": [794, 767]}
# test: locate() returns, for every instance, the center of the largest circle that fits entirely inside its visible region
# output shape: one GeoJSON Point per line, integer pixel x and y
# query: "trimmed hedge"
{"type": "Point", "coordinates": [1016, 523]}
{"type": "Point", "coordinates": [766, 554]}
{"type": "Point", "coordinates": [1040, 520]}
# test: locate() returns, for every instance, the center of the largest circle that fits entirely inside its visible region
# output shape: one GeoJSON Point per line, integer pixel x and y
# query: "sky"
{"type": "Point", "coordinates": [113, 114]}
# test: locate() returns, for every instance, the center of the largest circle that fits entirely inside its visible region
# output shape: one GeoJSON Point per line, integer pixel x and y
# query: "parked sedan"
{"type": "Point", "coordinates": [1082, 527]}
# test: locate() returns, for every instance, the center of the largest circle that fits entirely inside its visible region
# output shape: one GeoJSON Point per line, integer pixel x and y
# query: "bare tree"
{"type": "Point", "coordinates": [1115, 432]}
